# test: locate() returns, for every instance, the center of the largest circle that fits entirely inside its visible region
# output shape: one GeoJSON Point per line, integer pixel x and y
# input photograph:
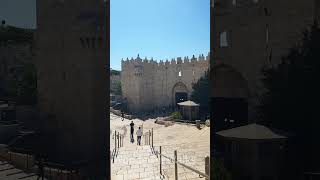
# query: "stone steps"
{"type": "Point", "coordinates": [138, 162]}
{"type": "Point", "coordinates": [9, 172]}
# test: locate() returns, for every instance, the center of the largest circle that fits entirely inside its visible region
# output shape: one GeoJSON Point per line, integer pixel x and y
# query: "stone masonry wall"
{"type": "Point", "coordinates": [149, 85]}
{"type": "Point", "coordinates": [247, 24]}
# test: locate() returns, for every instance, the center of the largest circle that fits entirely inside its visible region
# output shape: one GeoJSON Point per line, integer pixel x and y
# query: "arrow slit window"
{"type": "Point", "coordinates": [223, 39]}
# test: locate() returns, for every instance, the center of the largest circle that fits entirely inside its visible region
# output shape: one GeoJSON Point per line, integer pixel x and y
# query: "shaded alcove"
{"type": "Point", "coordinates": [179, 93]}
{"type": "Point", "coordinates": [229, 97]}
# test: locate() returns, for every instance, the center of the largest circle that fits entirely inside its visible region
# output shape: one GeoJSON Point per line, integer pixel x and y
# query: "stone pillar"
{"type": "Point", "coordinates": [71, 61]}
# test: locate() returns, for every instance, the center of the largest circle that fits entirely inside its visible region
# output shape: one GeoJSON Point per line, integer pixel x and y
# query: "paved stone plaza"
{"type": "Point", "coordinates": [9, 172]}
{"type": "Point", "coordinates": [138, 162]}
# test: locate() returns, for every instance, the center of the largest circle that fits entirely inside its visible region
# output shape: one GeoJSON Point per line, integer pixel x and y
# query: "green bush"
{"type": "Point", "coordinates": [176, 115]}
{"type": "Point", "coordinates": [219, 171]}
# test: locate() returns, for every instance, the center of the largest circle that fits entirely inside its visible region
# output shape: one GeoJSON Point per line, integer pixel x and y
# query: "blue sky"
{"type": "Point", "coordinates": [20, 13]}
{"type": "Point", "coordinates": [162, 29]}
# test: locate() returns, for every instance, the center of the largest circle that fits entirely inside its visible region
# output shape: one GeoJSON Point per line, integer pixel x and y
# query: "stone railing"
{"type": "Point", "coordinates": [174, 160]}
{"type": "Point", "coordinates": [118, 113]}
{"type": "Point", "coordinates": [22, 161]}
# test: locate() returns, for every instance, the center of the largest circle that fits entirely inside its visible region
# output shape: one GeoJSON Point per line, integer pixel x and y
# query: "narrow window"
{"type": "Point", "coordinates": [223, 39]}
{"type": "Point", "coordinates": [267, 34]}
{"type": "Point", "coordinates": [100, 42]}
{"type": "Point", "coordinates": [180, 74]}
{"type": "Point", "coordinates": [82, 42]}
{"type": "Point", "coordinates": [64, 76]}
{"type": "Point", "coordinates": [93, 42]}
{"type": "Point", "coordinates": [88, 42]}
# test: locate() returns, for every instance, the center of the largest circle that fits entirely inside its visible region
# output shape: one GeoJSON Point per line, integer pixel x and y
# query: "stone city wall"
{"type": "Point", "coordinates": [149, 85]}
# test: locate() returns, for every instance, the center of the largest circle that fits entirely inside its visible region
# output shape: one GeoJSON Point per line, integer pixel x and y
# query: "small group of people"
{"type": "Point", "coordinates": [139, 131]}
{"type": "Point", "coordinates": [139, 134]}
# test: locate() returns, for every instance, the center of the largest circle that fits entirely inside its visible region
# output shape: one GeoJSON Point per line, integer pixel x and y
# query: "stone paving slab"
{"type": "Point", "coordinates": [5, 171]}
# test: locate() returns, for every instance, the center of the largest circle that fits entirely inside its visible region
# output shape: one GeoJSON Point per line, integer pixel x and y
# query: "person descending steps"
{"type": "Point", "coordinates": [122, 115]}
{"type": "Point", "coordinates": [131, 131]}
{"type": "Point", "coordinates": [139, 134]}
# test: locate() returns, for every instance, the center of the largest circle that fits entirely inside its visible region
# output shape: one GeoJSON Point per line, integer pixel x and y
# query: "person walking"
{"type": "Point", "coordinates": [122, 115]}
{"type": "Point", "coordinates": [131, 131]}
{"type": "Point", "coordinates": [139, 134]}
{"type": "Point", "coordinates": [41, 168]}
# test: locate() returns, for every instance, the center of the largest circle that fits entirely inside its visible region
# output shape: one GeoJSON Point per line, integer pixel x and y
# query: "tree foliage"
{"type": "Point", "coordinates": [117, 89]}
{"type": "Point", "coordinates": [23, 87]}
{"type": "Point", "coordinates": [114, 72]}
{"type": "Point", "coordinates": [176, 115]}
{"type": "Point", "coordinates": [15, 35]}
{"type": "Point", "coordinates": [291, 99]}
{"type": "Point", "coordinates": [200, 93]}
{"type": "Point", "coordinates": [218, 170]}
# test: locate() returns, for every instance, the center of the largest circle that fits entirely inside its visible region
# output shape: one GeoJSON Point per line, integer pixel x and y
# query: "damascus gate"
{"type": "Point", "coordinates": [149, 85]}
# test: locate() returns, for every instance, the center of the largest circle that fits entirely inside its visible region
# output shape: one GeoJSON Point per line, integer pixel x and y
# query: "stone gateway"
{"type": "Point", "coordinates": [148, 85]}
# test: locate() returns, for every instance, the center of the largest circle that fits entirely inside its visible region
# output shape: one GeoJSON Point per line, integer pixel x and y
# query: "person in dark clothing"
{"type": "Point", "coordinates": [122, 115]}
{"type": "Point", "coordinates": [41, 168]}
{"type": "Point", "coordinates": [131, 131]}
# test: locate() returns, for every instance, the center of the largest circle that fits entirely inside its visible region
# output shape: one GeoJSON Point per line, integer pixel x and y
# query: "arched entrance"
{"type": "Point", "coordinates": [179, 93]}
{"type": "Point", "coordinates": [229, 97]}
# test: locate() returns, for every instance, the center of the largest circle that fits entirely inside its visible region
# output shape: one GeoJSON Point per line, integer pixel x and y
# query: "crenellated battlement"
{"type": "Point", "coordinates": [201, 59]}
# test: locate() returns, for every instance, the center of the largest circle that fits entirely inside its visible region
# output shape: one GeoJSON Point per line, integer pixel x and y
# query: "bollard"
{"type": "Point", "coordinates": [175, 165]}
{"type": "Point", "coordinates": [50, 172]}
{"type": "Point", "coordinates": [198, 124]}
{"type": "Point", "coordinates": [118, 140]}
{"type": "Point", "coordinates": [207, 167]}
{"type": "Point", "coordinates": [121, 142]}
{"type": "Point", "coordinates": [160, 162]}
{"type": "Point", "coordinates": [115, 139]}
{"type": "Point", "coordinates": [110, 164]}
{"type": "Point", "coordinates": [149, 137]}
{"type": "Point", "coordinates": [152, 138]}
{"type": "Point", "coordinates": [27, 162]}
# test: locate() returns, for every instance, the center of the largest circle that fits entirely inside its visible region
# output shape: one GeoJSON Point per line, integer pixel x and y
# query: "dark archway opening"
{"type": "Point", "coordinates": [229, 98]}
{"type": "Point", "coordinates": [181, 97]}
{"type": "Point", "coordinates": [229, 112]}
{"type": "Point", "coordinates": [179, 94]}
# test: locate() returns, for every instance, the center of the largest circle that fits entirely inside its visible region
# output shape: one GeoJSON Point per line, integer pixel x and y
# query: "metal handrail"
{"type": "Point", "coordinates": [174, 160]}
{"type": "Point", "coordinates": [118, 140]}
{"type": "Point", "coordinates": [186, 166]}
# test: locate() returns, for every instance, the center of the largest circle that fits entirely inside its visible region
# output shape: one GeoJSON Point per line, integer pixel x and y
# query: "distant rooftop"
{"type": "Point", "coordinates": [188, 103]}
{"type": "Point", "coordinates": [14, 34]}
{"type": "Point", "coordinates": [251, 131]}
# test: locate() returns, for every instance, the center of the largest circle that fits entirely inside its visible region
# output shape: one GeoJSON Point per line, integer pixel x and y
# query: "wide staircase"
{"type": "Point", "coordinates": [133, 161]}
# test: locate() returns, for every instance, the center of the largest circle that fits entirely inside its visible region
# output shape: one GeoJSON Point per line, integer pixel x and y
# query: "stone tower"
{"type": "Point", "coordinates": [251, 34]}
{"type": "Point", "coordinates": [71, 62]}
